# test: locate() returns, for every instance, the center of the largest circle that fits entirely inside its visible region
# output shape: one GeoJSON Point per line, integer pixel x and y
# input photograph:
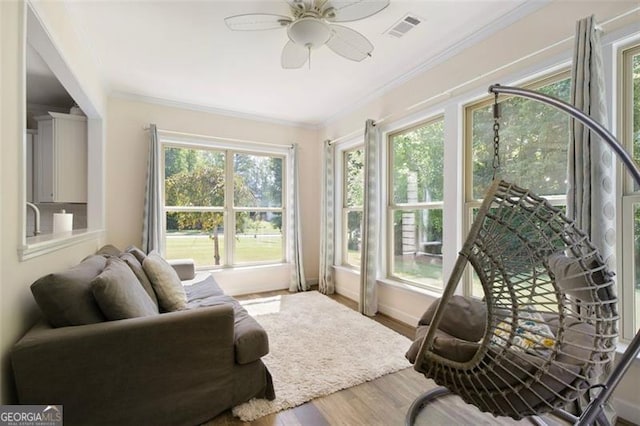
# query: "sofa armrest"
{"type": "Point", "coordinates": [185, 268]}
{"type": "Point", "coordinates": [110, 371]}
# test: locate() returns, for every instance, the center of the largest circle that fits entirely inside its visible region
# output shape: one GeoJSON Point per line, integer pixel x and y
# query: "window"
{"type": "Point", "coordinates": [352, 205]}
{"type": "Point", "coordinates": [533, 148]}
{"type": "Point", "coordinates": [415, 204]}
{"type": "Point", "coordinates": [222, 207]}
{"type": "Point", "coordinates": [631, 200]}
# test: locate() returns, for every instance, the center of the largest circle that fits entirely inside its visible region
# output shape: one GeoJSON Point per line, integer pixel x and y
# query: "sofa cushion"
{"type": "Point", "coordinates": [165, 281]}
{"type": "Point", "coordinates": [119, 293]}
{"type": "Point", "coordinates": [65, 298]}
{"type": "Point", "coordinates": [136, 268]}
{"type": "Point", "coordinates": [250, 339]}
{"type": "Point", "coordinates": [203, 285]}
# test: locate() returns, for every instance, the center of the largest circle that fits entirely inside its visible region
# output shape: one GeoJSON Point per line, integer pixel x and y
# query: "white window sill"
{"type": "Point", "coordinates": [48, 243]}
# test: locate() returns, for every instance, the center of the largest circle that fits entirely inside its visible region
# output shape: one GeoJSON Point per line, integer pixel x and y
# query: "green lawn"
{"type": "Point", "coordinates": [248, 248]}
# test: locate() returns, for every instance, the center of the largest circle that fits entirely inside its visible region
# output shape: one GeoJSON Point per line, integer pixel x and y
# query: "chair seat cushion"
{"type": "Point", "coordinates": [444, 345]}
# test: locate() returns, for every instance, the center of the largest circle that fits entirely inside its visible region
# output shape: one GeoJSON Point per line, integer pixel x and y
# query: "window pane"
{"type": "Point", "coordinates": [533, 143]}
{"type": "Point", "coordinates": [193, 177]}
{"type": "Point", "coordinates": [417, 164]}
{"type": "Point", "coordinates": [257, 181]}
{"type": "Point", "coordinates": [354, 178]}
{"type": "Point", "coordinates": [353, 237]}
{"type": "Point", "coordinates": [417, 246]}
{"type": "Point", "coordinates": [258, 237]}
{"type": "Point", "coordinates": [195, 235]}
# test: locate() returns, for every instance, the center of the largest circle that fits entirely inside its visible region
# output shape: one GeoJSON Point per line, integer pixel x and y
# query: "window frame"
{"type": "Point", "coordinates": [470, 204]}
{"type": "Point", "coordinates": [229, 209]}
{"type": "Point", "coordinates": [630, 197]}
{"type": "Point", "coordinates": [392, 206]}
{"type": "Point", "coordinates": [345, 208]}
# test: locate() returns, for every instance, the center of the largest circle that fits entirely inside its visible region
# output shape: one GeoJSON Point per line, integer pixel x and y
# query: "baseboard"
{"type": "Point", "coordinates": [387, 310]}
{"type": "Point", "coordinates": [626, 411]}
{"type": "Point", "coordinates": [398, 315]}
{"type": "Point", "coordinates": [353, 295]}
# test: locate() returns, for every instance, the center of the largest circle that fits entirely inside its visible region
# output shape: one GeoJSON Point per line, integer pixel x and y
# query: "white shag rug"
{"type": "Point", "coordinates": [318, 346]}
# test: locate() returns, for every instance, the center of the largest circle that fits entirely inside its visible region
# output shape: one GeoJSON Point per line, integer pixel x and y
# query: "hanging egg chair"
{"type": "Point", "coordinates": [545, 332]}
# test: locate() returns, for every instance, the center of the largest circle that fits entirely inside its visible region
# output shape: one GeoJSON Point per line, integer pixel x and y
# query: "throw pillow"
{"type": "Point", "coordinates": [139, 254]}
{"type": "Point", "coordinates": [119, 293]}
{"type": "Point", "coordinates": [531, 334]}
{"type": "Point", "coordinates": [65, 298]}
{"type": "Point", "coordinates": [572, 277]}
{"type": "Point", "coordinates": [136, 268]}
{"type": "Point", "coordinates": [109, 250]}
{"type": "Point", "coordinates": [464, 318]}
{"type": "Point", "coordinates": [166, 283]}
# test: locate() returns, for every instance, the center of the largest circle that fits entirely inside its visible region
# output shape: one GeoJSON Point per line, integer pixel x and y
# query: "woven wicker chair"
{"type": "Point", "coordinates": [547, 327]}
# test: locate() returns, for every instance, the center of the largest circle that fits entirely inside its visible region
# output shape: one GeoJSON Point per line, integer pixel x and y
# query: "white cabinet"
{"type": "Point", "coordinates": [60, 159]}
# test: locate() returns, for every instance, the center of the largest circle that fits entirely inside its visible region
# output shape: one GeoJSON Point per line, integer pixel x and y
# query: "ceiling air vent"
{"type": "Point", "coordinates": [404, 25]}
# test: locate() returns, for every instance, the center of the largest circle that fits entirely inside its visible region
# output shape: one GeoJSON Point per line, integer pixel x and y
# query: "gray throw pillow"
{"type": "Point", "coordinates": [136, 268]}
{"type": "Point", "coordinates": [119, 293]}
{"type": "Point", "coordinates": [573, 278]}
{"type": "Point", "coordinates": [464, 318]}
{"type": "Point", "coordinates": [65, 298]}
{"type": "Point", "coordinates": [139, 254]}
{"type": "Point", "coordinates": [109, 250]}
{"type": "Point", "coordinates": [166, 283]}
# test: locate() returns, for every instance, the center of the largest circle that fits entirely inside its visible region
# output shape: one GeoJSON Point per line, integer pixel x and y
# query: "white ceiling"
{"type": "Point", "coordinates": [182, 52]}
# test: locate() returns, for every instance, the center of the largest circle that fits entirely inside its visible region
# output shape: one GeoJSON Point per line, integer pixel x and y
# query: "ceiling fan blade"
{"type": "Point", "coordinates": [256, 22]}
{"type": "Point", "coordinates": [353, 10]}
{"type": "Point", "coordinates": [294, 55]}
{"type": "Point", "coordinates": [349, 43]}
{"type": "Point", "coordinates": [299, 5]}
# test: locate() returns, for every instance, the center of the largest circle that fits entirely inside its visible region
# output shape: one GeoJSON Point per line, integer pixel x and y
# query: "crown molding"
{"type": "Point", "coordinates": [509, 18]}
{"type": "Point", "coordinates": [212, 110]}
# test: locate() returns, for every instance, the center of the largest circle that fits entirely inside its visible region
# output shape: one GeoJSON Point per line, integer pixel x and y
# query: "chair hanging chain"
{"type": "Point", "coordinates": [496, 136]}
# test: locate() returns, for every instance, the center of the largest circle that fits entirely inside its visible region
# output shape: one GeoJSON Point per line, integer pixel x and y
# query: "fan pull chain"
{"type": "Point", "coordinates": [496, 136]}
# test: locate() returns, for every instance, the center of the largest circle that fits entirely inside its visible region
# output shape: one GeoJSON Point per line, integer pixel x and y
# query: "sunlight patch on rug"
{"type": "Point", "coordinates": [317, 347]}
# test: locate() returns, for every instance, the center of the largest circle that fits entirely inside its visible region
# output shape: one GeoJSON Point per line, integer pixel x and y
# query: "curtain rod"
{"type": "Point", "coordinates": [449, 92]}
{"type": "Point", "coordinates": [207, 137]}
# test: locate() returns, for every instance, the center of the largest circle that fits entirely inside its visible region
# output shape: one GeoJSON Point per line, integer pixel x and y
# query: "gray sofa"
{"type": "Point", "coordinates": [167, 368]}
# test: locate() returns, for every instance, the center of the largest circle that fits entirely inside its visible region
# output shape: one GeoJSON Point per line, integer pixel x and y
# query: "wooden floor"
{"type": "Point", "coordinates": [383, 401]}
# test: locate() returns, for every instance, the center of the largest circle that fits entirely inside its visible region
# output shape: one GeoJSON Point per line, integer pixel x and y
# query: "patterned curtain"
{"type": "Point", "coordinates": [368, 303]}
{"type": "Point", "coordinates": [327, 220]}
{"type": "Point", "coordinates": [591, 193]}
{"type": "Point", "coordinates": [152, 220]}
{"type": "Point", "coordinates": [298, 281]}
{"type": "Point", "coordinates": [590, 200]}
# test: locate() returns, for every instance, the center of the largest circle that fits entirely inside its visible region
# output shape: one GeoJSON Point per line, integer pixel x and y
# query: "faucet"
{"type": "Point", "coordinates": [36, 213]}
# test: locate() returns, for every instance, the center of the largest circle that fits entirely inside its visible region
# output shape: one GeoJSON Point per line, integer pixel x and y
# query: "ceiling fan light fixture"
{"type": "Point", "coordinates": [309, 32]}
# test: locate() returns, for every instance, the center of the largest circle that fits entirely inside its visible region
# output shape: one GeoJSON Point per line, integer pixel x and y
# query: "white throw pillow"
{"type": "Point", "coordinates": [165, 281]}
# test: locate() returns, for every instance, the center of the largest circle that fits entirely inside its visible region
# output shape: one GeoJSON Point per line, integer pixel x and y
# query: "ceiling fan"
{"type": "Point", "coordinates": [312, 26]}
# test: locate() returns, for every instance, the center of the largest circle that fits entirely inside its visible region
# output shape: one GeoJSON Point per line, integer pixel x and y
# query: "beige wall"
{"type": "Point", "coordinates": [127, 151]}
{"type": "Point", "coordinates": [509, 53]}
{"type": "Point", "coordinates": [17, 309]}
